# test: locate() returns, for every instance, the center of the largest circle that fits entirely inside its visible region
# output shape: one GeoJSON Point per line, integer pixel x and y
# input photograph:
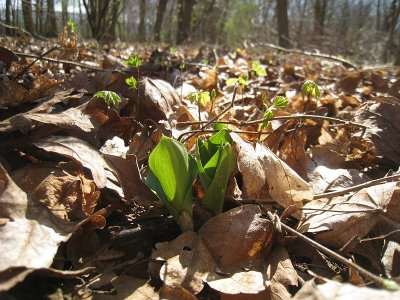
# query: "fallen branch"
{"type": "Point", "coordinates": [379, 281]}
{"type": "Point", "coordinates": [345, 62]}
{"type": "Point", "coordinates": [356, 187]}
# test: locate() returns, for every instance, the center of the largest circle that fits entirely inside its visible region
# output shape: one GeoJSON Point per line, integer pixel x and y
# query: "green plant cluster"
{"type": "Point", "coordinates": [173, 171]}
{"type": "Point", "coordinates": [280, 102]}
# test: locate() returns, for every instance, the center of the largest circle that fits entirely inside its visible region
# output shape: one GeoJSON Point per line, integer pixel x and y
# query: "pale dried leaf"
{"type": "Point", "coordinates": [344, 217]}
{"type": "Point", "coordinates": [281, 273]}
{"type": "Point", "coordinates": [324, 289]}
{"type": "Point", "coordinates": [264, 174]}
{"type": "Point", "coordinates": [31, 237]}
{"type": "Point", "coordinates": [80, 151]}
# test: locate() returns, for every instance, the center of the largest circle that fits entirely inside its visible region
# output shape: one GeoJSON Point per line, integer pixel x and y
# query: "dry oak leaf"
{"type": "Point", "coordinates": [31, 236]}
{"type": "Point", "coordinates": [281, 274]}
{"type": "Point", "coordinates": [344, 217]}
{"type": "Point", "coordinates": [383, 127]}
{"type": "Point", "coordinates": [12, 94]}
{"type": "Point", "coordinates": [79, 151]}
{"type": "Point", "coordinates": [264, 175]}
{"type": "Point", "coordinates": [211, 255]}
{"type": "Point", "coordinates": [69, 197]}
{"type": "Point", "coordinates": [324, 289]}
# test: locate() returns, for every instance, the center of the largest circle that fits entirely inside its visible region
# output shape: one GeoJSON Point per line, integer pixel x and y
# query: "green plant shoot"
{"type": "Point", "coordinates": [173, 171]}
{"type": "Point", "coordinates": [215, 160]}
{"type": "Point", "coordinates": [280, 102]}
{"type": "Point", "coordinates": [71, 25]}
{"type": "Point", "coordinates": [134, 61]}
{"type": "Point", "coordinates": [310, 89]}
{"type": "Point", "coordinates": [109, 97]}
{"type": "Point", "coordinates": [132, 82]}
{"type": "Point", "coordinates": [242, 80]}
{"type": "Point", "coordinates": [260, 71]}
{"type": "Point", "coordinates": [200, 98]}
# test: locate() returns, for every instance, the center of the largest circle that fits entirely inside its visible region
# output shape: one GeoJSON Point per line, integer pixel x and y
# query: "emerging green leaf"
{"type": "Point", "coordinates": [173, 171]}
{"type": "Point", "coordinates": [134, 61]}
{"type": "Point", "coordinates": [310, 89]}
{"type": "Point", "coordinates": [71, 25]}
{"type": "Point", "coordinates": [215, 161]}
{"type": "Point", "coordinates": [109, 97]}
{"type": "Point", "coordinates": [231, 81]}
{"type": "Point", "coordinates": [260, 71]}
{"type": "Point", "coordinates": [132, 82]}
{"type": "Point", "coordinates": [243, 78]}
{"type": "Point", "coordinates": [280, 102]}
{"type": "Point", "coordinates": [213, 94]}
{"type": "Point", "coordinates": [199, 97]}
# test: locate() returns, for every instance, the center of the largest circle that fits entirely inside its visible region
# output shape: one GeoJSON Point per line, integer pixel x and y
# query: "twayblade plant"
{"type": "Point", "coordinates": [173, 171]}
{"type": "Point", "coordinates": [215, 160]}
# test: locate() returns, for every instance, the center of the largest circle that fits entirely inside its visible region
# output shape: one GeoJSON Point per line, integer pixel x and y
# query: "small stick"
{"type": "Point", "coordinates": [216, 117]}
{"type": "Point", "coordinates": [382, 282]}
{"type": "Point", "coordinates": [356, 187]}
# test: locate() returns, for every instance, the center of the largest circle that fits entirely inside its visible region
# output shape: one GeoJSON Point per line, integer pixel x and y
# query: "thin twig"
{"type": "Point", "coordinates": [62, 61]}
{"type": "Point", "coordinates": [382, 282]}
{"type": "Point", "coordinates": [356, 187]}
{"type": "Point", "coordinates": [292, 117]}
{"type": "Point", "coordinates": [212, 131]}
{"type": "Point", "coordinates": [345, 62]}
{"type": "Point", "coordinates": [216, 117]}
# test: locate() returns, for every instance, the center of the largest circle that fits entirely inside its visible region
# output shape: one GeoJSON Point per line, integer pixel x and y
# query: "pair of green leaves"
{"type": "Point", "coordinates": [215, 161]}
{"type": "Point", "coordinates": [173, 171]}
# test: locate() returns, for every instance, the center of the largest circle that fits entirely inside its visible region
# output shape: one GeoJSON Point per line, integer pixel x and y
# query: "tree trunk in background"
{"type": "Point", "coordinates": [64, 12]}
{"type": "Point", "coordinates": [27, 13]}
{"type": "Point", "coordinates": [51, 19]}
{"type": "Point", "coordinates": [162, 5]}
{"type": "Point", "coordinates": [283, 23]}
{"type": "Point", "coordinates": [390, 46]}
{"type": "Point", "coordinates": [185, 9]}
{"type": "Point", "coordinates": [142, 30]}
{"type": "Point", "coordinates": [378, 16]}
{"type": "Point", "coordinates": [114, 18]}
{"type": "Point", "coordinates": [9, 31]}
{"type": "Point", "coordinates": [319, 16]}
{"type": "Point", "coordinates": [96, 11]}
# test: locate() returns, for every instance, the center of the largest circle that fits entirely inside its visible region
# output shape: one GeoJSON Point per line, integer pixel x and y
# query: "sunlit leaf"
{"type": "Point", "coordinates": [109, 97]}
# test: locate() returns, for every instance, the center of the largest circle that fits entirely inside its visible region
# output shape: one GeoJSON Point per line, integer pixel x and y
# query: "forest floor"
{"type": "Point", "coordinates": [311, 205]}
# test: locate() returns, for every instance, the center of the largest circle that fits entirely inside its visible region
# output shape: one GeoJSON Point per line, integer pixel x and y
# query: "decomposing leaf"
{"type": "Point", "coordinates": [281, 274]}
{"type": "Point", "coordinates": [12, 94]}
{"type": "Point", "coordinates": [79, 151]}
{"type": "Point", "coordinates": [321, 288]}
{"type": "Point", "coordinates": [350, 81]}
{"type": "Point", "coordinates": [215, 257]}
{"type": "Point", "coordinates": [383, 128]}
{"type": "Point", "coordinates": [68, 196]}
{"type": "Point", "coordinates": [7, 57]}
{"type": "Point", "coordinates": [265, 175]}
{"type": "Point", "coordinates": [31, 236]}
{"type": "Point", "coordinates": [337, 221]}
{"type": "Point", "coordinates": [158, 100]}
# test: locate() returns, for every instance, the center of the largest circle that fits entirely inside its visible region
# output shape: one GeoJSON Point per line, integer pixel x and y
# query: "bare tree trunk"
{"type": "Point", "coordinates": [378, 16]}
{"type": "Point", "coordinates": [319, 16]}
{"type": "Point", "coordinates": [27, 13]}
{"type": "Point", "coordinates": [185, 9]}
{"type": "Point", "coordinates": [394, 17]}
{"type": "Point", "coordinates": [51, 19]}
{"type": "Point", "coordinates": [96, 11]}
{"type": "Point", "coordinates": [114, 19]}
{"type": "Point", "coordinates": [283, 23]}
{"type": "Point", "coordinates": [64, 11]}
{"type": "Point", "coordinates": [142, 29]}
{"type": "Point", "coordinates": [162, 4]}
{"type": "Point", "coordinates": [9, 31]}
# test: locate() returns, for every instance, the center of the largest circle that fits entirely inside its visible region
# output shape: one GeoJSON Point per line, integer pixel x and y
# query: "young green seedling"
{"type": "Point", "coordinates": [309, 89]}
{"type": "Point", "coordinates": [71, 25]}
{"type": "Point", "coordinates": [109, 97]}
{"type": "Point", "coordinates": [132, 82]}
{"type": "Point", "coordinates": [242, 80]}
{"type": "Point", "coordinates": [135, 62]}
{"type": "Point", "coordinates": [260, 71]}
{"type": "Point", "coordinates": [172, 173]}
{"type": "Point", "coordinates": [215, 160]}
{"type": "Point", "coordinates": [280, 102]}
{"type": "Point", "coordinates": [200, 98]}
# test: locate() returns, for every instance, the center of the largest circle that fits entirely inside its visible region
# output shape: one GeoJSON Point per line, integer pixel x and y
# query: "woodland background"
{"type": "Point", "coordinates": [365, 30]}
